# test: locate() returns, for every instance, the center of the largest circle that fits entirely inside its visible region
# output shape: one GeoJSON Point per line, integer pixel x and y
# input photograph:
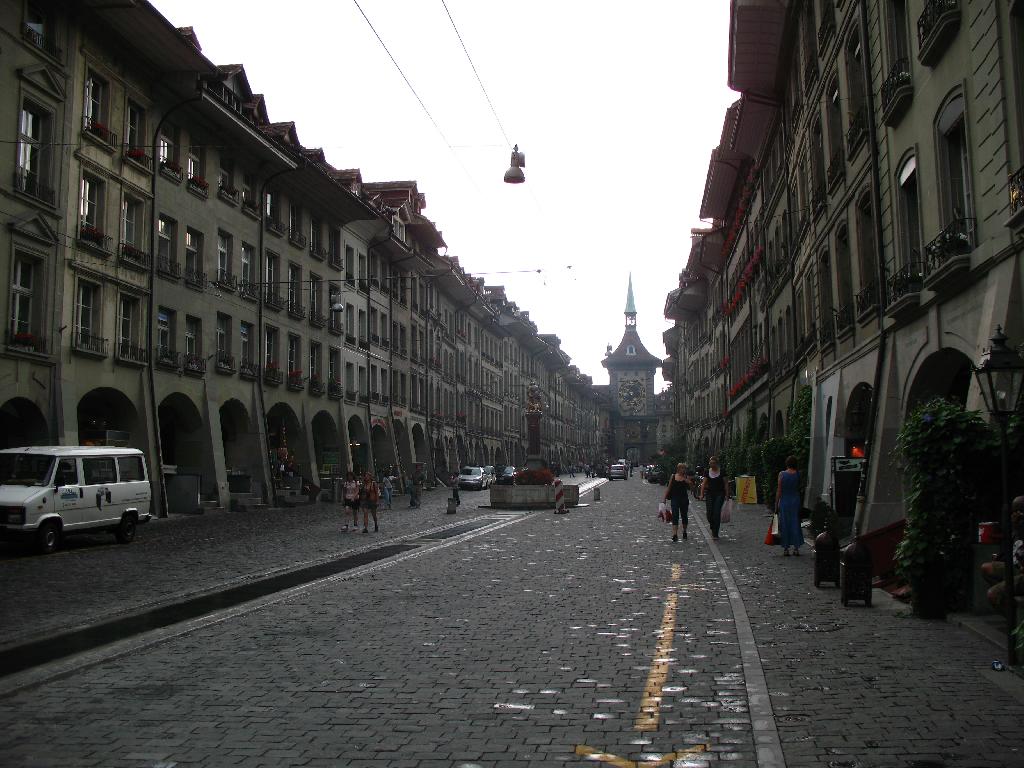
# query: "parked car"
{"type": "Point", "coordinates": [507, 476]}
{"type": "Point", "coordinates": [489, 476]}
{"type": "Point", "coordinates": [618, 472]}
{"type": "Point", "coordinates": [472, 478]}
{"type": "Point", "coordinates": [656, 474]}
{"type": "Point", "coordinates": [47, 493]}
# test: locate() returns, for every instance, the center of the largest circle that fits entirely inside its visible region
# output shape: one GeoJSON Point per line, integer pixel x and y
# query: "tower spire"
{"type": "Point", "coordinates": [630, 304]}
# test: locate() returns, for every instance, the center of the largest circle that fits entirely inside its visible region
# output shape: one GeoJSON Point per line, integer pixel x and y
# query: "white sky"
{"type": "Point", "coordinates": [616, 105]}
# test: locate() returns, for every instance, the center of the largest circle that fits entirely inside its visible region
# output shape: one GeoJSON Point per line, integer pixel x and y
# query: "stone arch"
{"type": "Point", "coordinates": [945, 373]}
{"type": "Point", "coordinates": [762, 428]}
{"type": "Point", "coordinates": [499, 456]}
{"type": "Point", "coordinates": [404, 447]}
{"type": "Point", "coordinates": [856, 419]}
{"type": "Point", "coordinates": [240, 443]}
{"type": "Point", "coordinates": [22, 423]}
{"type": "Point", "coordinates": [461, 451]}
{"type": "Point", "coordinates": [419, 444]}
{"type": "Point", "coordinates": [358, 444]}
{"type": "Point", "coordinates": [107, 417]}
{"type": "Point", "coordinates": [327, 453]}
{"type": "Point", "coordinates": [383, 448]}
{"type": "Point", "coordinates": [286, 444]}
{"type": "Point", "coordinates": [780, 424]}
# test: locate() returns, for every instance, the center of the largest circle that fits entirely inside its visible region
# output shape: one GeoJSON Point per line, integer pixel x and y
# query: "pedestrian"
{"type": "Point", "coordinates": [714, 490]}
{"type": "Point", "coordinates": [369, 496]}
{"type": "Point", "coordinates": [678, 493]}
{"type": "Point", "coordinates": [787, 505]}
{"type": "Point", "coordinates": [388, 487]}
{"type": "Point", "coordinates": [455, 489]}
{"type": "Point", "coordinates": [352, 499]}
{"type": "Point", "coordinates": [417, 487]}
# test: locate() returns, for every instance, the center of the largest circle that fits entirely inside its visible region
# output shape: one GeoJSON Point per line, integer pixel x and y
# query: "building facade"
{"type": "Point", "coordinates": [189, 279]}
{"type": "Point", "coordinates": [864, 213]}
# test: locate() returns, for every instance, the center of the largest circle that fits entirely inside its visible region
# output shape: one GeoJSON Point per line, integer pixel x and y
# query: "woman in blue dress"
{"type": "Point", "coordinates": [787, 504]}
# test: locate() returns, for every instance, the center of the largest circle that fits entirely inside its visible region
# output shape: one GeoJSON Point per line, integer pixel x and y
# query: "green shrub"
{"type": "Point", "coordinates": [773, 461]}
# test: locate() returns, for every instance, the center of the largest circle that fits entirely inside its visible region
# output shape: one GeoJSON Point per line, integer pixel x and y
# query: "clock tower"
{"type": "Point", "coordinates": [631, 369]}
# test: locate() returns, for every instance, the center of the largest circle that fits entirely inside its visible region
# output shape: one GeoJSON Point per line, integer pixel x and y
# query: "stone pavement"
{"type": "Point", "coordinates": [553, 640]}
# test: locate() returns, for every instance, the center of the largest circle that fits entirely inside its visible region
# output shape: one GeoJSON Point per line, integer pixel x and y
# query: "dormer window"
{"type": "Point", "coordinates": [630, 350]}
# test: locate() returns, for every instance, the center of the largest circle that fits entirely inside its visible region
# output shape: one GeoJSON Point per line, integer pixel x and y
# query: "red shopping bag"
{"type": "Point", "coordinates": [772, 537]}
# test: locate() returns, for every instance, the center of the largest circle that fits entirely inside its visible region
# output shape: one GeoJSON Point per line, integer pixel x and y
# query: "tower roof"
{"type": "Point", "coordinates": [630, 304]}
{"type": "Point", "coordinates": [640, 358]}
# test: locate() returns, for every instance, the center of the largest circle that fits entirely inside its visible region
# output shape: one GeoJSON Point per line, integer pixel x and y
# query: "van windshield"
{"type": "Point", "coordinates": [472, 471]}
{"type": "Point", "coordinates": [25, 468]}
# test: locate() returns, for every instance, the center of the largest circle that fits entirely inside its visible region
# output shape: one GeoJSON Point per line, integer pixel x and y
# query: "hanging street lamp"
{"type": "Point", "coordinates": [515, 175]}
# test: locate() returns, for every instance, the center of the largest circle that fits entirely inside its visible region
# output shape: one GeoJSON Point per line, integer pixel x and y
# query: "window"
{"type": "Point", "coordinates": [97, 470]}
{"type": "Point", "coordinates": [955, 174]}
{"type": "Point", "coordinates": [91, 205]}
{"type": "Point", "coordinates": [314, 235]}
{"type": "Point", "coordinates": [630, 350]}
{"type": "Point", "coordinates": [87, 309]}
{"type": "Point", "coordinates": [315, 289]}
{"type": "Point", "coordinates": [271, 205]}
{"type": "Point", "coordinates": [223, 334]}
{"type": "Point", "coordinates": [165, 230]}
{"type": "Point", "coordinates": [245, 336]}
{"type": "Point", "coordinates": [249, 190]}
{"type": "Point", "coordinates": [67, 473]}
{"type": "Point", "coordinates": [294, 355]}
{"type": "Point", "coordinates": [22, 294]}
{"type": "Point", "coordinates": [34, 152]}
{"type": "Point", "coordinates": [39, 29]}
{"type": "Point", "coordinates": [223, 256]}
{"type": "Point", "coordinates": [334, 244]}
{"type": "Point", "coordinates": [193, 252]}
{"type": "Point", "coordinates": [362, 270]}
{"type": "Point", "coordinates": [350, 377]}
{"type": "Point", "coordinates": [135, 127]}
{"type": "Point", "coordinates": [270, 347]}
{"type": "Point", "coordinates": [165, 331]}
{"type": "Point", "coordinates": [193, 335]}
{"type": "Point", "coordinates": [166, 146]}
{"type": "Point", "coordinates": [272, 272]}
{"type": "Point", "coordinates": [248, 258]}
{"type": "Point", "coordinates": [834, 121]}
{"type": "Point", "coordinates": [866, 241]}
{"type": "Point", "coordinates": [294, 286]}
{"type": "Point", "coordinates": [226, 174]}
{"type": "Point", "coordinates": [825, 299]}
{"type": "Point", "coordinates": [95, 105]}
{"type": "Point", "coordinates": [294, 219]}
{"type": "Point", "coordinates": [854, 75]}
{"type": "Point", "coordinates": [131, 221]}
{"type": "Point", "coordinates": [844, 279]}
{"type": "Point", "coordinates": [128, 316]}
{"type": "Point", "coordinates": [362, 325]}
{"type": "Point", "coordinates": [334, 365]}
{"type": "Point", "coordinates": [909, 213]}
{"type": "Point", "coordinates": [350, 263]}
{"type": "Point", "coordinates": [898, 40]}
{"type": "Point", "coordinates": [195, 164]}
{"type": "Point", "coordinates": [130, 469]}
{"type": "Point", "coordinates": [314, 360]}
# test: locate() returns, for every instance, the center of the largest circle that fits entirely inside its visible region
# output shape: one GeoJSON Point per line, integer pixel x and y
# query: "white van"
{"type": "Point", "coordinates": [51, 492]}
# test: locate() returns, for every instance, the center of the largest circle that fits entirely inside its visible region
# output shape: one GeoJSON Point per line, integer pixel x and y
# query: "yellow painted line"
{"type": "Point", "coordinates": [620, 762]}
{"type": "Point", "coordinates": [650, 711]}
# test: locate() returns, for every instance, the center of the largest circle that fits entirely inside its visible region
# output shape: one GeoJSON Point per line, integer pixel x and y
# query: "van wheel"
{"type": "Point", "coordinates": [48, 537]}
{"type": "Point", "coordinates": [125, 533]}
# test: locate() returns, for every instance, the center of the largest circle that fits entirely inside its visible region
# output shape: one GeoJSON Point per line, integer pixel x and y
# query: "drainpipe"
{"type": "Point", "coordinates": [153, 239]}
{"type": "Point", "coordinates": [876, 205]}
{"type": "Point", "coordinates": [369, 417]}
{"type": "Point", "coordinates": [260, 260]}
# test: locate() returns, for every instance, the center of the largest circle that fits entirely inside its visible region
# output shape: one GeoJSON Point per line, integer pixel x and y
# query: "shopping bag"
{"type": "Point", "coordinates": [772, 537]}
{"type": "Point", "coordinates": [663, 512]}
{"type": "Point", "coordinates": [726, 516]}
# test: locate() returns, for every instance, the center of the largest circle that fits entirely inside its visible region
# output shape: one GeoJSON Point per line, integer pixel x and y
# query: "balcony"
{"type": "Point", "coordinates": [94, 238]}
{"type": "Point", "coordinates": [827, 28]}
{"type": "Point", "coordinates": [30, 183]}
{"type": "Point", "coordinates": [810, 73]}
{"type": "Point", "coordinates": [296, 237]}
{"type": "Point", "coordinates": [227, 193]}
{"type": "Point", "coordinates": [334, 390]}
{"type": "Point", "coordinates": [1015, 188]}
{"type": "Point", "coordinates": [903, 290]}
{"type": "Point", "coordinates": [364, 343]}
{"type": "Point", "coordinates": [897, 92]}
{"type": "Point", "coordinates": [316, 318]}
{"type": "Point", "coordinates": [827, 331]}
{"type": "Point", "coordinates": [316, 386]}
{"type": "Point", "coordinates": [225, 362]}
{"type": "Point", "coordinates": [273, 299]}
{"type": "Point", "coordinates": [937, 25]}
{"type": "Point", "coordinates": [250, 207]}
{"type": "Point", "coordinates": [375, 339]}
{"type": "Point", "coordinates": [171, 171]}
{"type": "Point", "coordinates": [87, 344]}
{"type": "Point", "coordinates": [140, 157]}
{"type": "Point", "coordinates": [317, 251]}
{"type": "Point", "coordinates": [130, 354]}
{"type": "Point", "coordinates": [375, 397]}
{"type": "Point", "coordinates": [334, 259]}
{"type": "Point", "coordinates": [272, 375]}
{"type": "Point", "coordinates": [99, 132]}
{"type": "Point", "coordinates": [248, 370]}
{"type": "Point", "coordinates": [350, 339]}
{"type": "Point", "coordinates": [25, 341]}
{"type": "Point", "coordinates": [857, 132]}
{"type": "Point", "coordinates": [44, 43]}
{"type": "Point", "coordinates": [194, 365]}
{"type": "Point", "coordinates": [364, 398]}
{"type": "Point", "coordinates": [168, 267]}
{"type": "Point", "coordinates": [334, 324]}
{"type": "Point", "coordinates": [385, 342]}
{"type": "Point", "coordinates": [819, 199]}
{"type": "Point", "coordinates": [168, 359]}
{"type": "Point", "coordinates": [133, 258]}
{"type": "Point", "coordinates": [198, 186]}
{"type": "Point", "coordinates": [195, 278]}
{"type": "Point", "coordinates": [948, 256]}
{"type": "Point", "coordinates": [225, 280]}
{"type": "Point", "coordinates": [247, 289]}
{"type": "Point", "coordinates": [836, 170]}
{"type": "Point", "coordinates": [274, 226]}
{"type": "Point", "coordinates": [866, 301]}
{"type": "Point", "coordinates": [844, 321]}
{"type": "Point", "coordinates": [351, 395]}
{"type": "Point", "coordinates": [296, 382]}
{"type": "Point", "coordinates": [295, 309]}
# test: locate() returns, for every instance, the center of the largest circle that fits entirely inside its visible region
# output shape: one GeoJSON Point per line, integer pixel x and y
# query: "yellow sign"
{"type": "Point", "coordinates": [746, 489]}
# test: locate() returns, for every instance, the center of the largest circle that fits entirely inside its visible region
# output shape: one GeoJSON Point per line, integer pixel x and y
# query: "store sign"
{"type": "Point", "coordinates": [379, 421]}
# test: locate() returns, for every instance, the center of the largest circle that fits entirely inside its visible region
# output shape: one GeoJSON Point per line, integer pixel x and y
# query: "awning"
{"type": "Point", "coordinates": [755, 45]}
{"type": "Point", "coordinates": [723, 173]}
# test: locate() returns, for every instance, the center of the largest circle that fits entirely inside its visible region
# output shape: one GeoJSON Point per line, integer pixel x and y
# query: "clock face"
{"type": "Point", "coordinates": [632, 396]}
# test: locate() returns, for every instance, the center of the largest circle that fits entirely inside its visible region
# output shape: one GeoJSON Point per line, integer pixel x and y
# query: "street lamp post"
{"type": "Point", "coordinates": [1000, 374]}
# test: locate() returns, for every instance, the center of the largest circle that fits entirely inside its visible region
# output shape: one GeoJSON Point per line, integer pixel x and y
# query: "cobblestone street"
{"type": "Point", "coordinates": [546, 640]}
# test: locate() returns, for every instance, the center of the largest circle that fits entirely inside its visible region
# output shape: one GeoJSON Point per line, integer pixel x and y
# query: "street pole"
{"type": "Point", "coordinates": [1007, 546]}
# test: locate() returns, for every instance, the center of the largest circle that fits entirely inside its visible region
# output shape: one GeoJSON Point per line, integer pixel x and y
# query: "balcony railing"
{"type": "Point", "coordinates": [168, 267]}
{"type": "Point", "coordinates": [138, 155]}
{"type": "Point", "coordinates": [897, 91]}
{"type": "Point", "coordinates": [225, 361]}
{"type": "Point", "coordinates": [904, 283]}
{"type": "Point", "coordinates": [195, 278]}
{"type": "Point", "coordinates": [198, 185]}
{"type": "Point", "coordinates": [41, 41]}
{"type": "Point", "coordinates": [227, 193]}
{"type": "Point", "coordinates": [171, 170]}
{"type": "Point", "coordinates": [867, 299]}
{"type": "Point", "coordinates": [99, 131]}
{"type": "Point", "coordinates": [936, 27]}
{"type": "Point", "coordinates": [296, 237]}
{"type": "Point", "coordinates": [334, 259]}
{"type": "Point", "coordinates": [247, 369]}
{"type": "Point", "coordinates": [836, 169]}
{"type": "Point", "coordinates": [274, 299]}
{"type": "Point", "coordinates": [168, 358]}
{"type": "Point", "coordinates": [274, 226]}
{"type": "Point", "coordinates": [133, 257]}
{"type": "Point", "coordinates": [316, 386]}
{"type": "Point", "coordinates": [93, 237]}
{"type": "Point", "coordinates": [248, 289]}
{"type": "Point", "coordinates": [334, 390]}
{"type": "Point", "coordinates": [272, 375]}
{"type": "Point", "coordinates": [810, 73]}
{"type": "Point", "coordinates": [86, 342]}
{"type": "Point", "coordinates": [827, 27]}
{"type": "Point", "coordinates": [194, 364]}
{"type": "Point", "coordinates": [317, 251]}
{"type": "Point", "coordinates": [225, 280]}
{"type": "Point", "coordinates": [25, 341]}
{"type": "Point", "coordinates": [295, 380]}
{"type": "Point", "coordinates": [948, 254]}
{"type": "Point", "coordinates": [351, 395]}
{"type": "Point", "coordinates": [1015, 185]}
{"type": "Point", "coordinates": [334, 324]}
{"type": "Point", "coordinates": [250, 205]}
{"type": "Point", "coordinates": [857, 131]}
{"type": "Point", "coordinates": [295, 309]}
{"type": "Point", "coordinates": [30, 183]}
{"type": "Point", "coordinates": [844, 320]}
{"type": "Point", "coordinates": [317, 319]}
{"type": "Point", "coordinates": [129, 353]}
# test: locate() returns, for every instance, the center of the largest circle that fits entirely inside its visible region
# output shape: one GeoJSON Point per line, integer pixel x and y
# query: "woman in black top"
{"type": "Point", "coordinates": [714, 491]}
{"type": "Point", "coordinates": [678, 492]}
